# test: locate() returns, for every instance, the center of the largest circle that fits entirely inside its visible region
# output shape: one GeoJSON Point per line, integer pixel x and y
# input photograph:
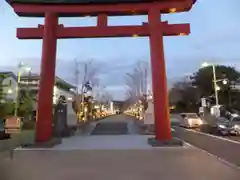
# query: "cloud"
{"type": "Point", "coordinates": [111, 72]}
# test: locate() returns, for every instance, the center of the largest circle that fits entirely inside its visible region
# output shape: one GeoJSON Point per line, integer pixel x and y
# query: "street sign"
{"type": "Point", "coordinates": [201, 109]}
{"type": "Point", "coordinates": [12, 125]}
{"type": "Point", "coordinates": [203, 102]}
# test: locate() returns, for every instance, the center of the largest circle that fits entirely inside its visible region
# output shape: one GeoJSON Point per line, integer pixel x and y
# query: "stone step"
{"type": "Point", "coordinates": [110, 128]}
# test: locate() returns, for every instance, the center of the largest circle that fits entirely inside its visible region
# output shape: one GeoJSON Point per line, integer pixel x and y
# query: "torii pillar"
{"type": "Point", "coordinates": [154, 29]}
{"type": "Point", "coordinates": [47, 80]}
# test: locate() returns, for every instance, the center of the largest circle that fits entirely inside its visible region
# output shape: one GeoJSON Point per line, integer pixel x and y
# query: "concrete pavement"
{"type": "Point", "coordinates": [165, 163]}
{"type": "Point", "coordinates": [118, 157]}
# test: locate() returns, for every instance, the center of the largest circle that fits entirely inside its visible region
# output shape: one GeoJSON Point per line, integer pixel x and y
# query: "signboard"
{"type": "Point", "coordinates": [12, 125]}
{"type": "Point", "coordinates": [201, 109]}
{"type": "Point", "coordinates": [149, 114]}
{"type": "Point", "coordinates": [203, 102]}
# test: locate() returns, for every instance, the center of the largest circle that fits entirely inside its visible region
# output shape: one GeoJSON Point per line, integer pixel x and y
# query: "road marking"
{"type": "Point", "coordinates": [212, 155]}
{"type": "Point", "coordinates": [210, 135]}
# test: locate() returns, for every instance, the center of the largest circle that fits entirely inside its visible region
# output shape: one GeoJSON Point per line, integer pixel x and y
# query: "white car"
{"type": "Point", "coordinates": [190, 120]}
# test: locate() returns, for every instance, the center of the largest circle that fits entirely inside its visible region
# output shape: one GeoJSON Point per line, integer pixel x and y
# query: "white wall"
{"type": "Point", "coordinates": [58, 91]}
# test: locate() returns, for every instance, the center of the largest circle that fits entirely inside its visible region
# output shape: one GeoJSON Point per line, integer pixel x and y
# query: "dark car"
{"type": "Point", "coordinates": [229, 127]}
{"type": "Point", "coordinates": [224, 126]}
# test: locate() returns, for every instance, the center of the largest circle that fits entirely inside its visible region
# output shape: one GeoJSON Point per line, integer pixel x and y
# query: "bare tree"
{"type": "Point", "coordinates": [137, 81]}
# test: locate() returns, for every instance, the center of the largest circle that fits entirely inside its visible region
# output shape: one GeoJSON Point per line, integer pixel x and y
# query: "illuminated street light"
{"type": "Point", "coordinates": [224, 81]}
{"type": "Point", "coordinates": [10, 91]}
{"type": "Point", "coordinates": [69, 98]}
{"type": "Point", "coordinates": [205, 64]}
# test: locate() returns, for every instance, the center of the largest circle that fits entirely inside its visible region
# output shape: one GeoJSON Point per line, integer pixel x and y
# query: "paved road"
{"type": "Point", "coordinates": [140, 163]}
{"type": "Point", "coordinates": [221, 147]}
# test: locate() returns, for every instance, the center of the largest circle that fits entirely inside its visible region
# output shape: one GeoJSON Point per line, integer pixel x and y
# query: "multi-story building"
{"type": "Point", "coordinates": [31, 82]}
{"type": "Point", "coordinates": [8, 84]}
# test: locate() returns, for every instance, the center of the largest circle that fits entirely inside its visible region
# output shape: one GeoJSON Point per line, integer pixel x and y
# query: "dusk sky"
{"type": "Point", "coordinates": [214, 37]}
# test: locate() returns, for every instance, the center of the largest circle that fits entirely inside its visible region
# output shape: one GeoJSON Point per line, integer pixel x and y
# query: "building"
{"type": "Point", "coordinates": [8, 84]}
{"type": "Point", "coordinates": [31, 82]}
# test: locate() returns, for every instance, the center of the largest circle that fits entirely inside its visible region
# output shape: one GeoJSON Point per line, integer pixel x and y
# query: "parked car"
{"type": "Point", "coordinates": [3, 135]}
{"type": "Point", "coordinates": [221, 126]}
{"type": "Point", "coordinates": [229, 127]}
{"type": "Point", "coordinates": [190, 120]}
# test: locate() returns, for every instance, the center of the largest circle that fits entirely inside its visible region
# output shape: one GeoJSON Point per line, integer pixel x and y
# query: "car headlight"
{"type": "Point", "coordinates": [236, 126]}
{"type": "Point", "coordinates": [200, 122]}
{"type": "Point", "coordinates": [189, 121]}
{"type": "Point", "coordinates": [222, 126]}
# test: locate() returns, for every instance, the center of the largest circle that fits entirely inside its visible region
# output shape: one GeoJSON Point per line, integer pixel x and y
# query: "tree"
{"type": "Point", "coordinates": [6, 109]}
{"type": "Point", "coordinates": [175, 95]}
{"type": "Point", "coordinates": [137, 80]}
{"type": "Point", "coordinates": [6, 106]}
{"type": "Point", "coordinates": [203, 80]}
{"type": "Point", "coordinates": [184, 96]}
{"type": "Point", "coordinates": [26, 103]}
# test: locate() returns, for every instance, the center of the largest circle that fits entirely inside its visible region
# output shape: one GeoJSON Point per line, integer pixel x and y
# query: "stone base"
{"type": "Point", "coordinates": [49, 144]}
{"type": "Point", "coordinates": [169, 143]}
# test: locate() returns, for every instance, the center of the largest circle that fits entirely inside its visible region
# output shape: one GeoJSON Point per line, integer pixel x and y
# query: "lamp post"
{"type": "Point", "coordinates": [216, 88]}
{"type": "Point", "coordinates": [215, 80]}
{"type": "Point", "coordinates": [21, 67]}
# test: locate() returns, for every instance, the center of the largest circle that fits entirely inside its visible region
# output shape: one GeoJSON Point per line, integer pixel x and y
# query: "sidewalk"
{"type": "Point", "coordinates": [148, 164]}
{"type": "Point", "coordinates": [114, 157]}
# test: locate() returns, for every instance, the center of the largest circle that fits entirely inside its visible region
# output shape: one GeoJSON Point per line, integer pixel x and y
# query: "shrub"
{"type": "Point", "coordinates": [29, 125]}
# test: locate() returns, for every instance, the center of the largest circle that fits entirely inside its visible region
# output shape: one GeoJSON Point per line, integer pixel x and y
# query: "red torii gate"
{"type": "Point", "coordinates": [51, 31]}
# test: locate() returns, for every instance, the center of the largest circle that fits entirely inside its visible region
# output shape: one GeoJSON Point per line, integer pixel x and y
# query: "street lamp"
{"type": "Point", "coordinates": [9, 91]}
{"type": "Point", "coordinates": [21, 68]}
{"type": "Point", "coordinates": [225, 82]}
{"type": "Point", "coordinates": [216, 88]}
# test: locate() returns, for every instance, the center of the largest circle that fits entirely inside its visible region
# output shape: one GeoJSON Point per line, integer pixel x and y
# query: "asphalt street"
{"type": "Point", "coordinates": [226, 148]}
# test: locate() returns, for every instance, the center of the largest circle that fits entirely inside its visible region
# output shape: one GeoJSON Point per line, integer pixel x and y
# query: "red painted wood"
{"type": "Point", "coordinates": [50, 32]}
{"type": "Point", "coordinates": [159, 81]}
{"type": "Point", "coordinates": [93, 10]}
{"type": "Point", "coordinates": [108, 31]}
{"type": "Point", "coordinates": [47, 79]}
{"type": "Point", "coordinates": [102, 20]}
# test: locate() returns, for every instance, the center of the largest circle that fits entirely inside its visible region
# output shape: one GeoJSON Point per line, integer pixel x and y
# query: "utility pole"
{"type": "Point", "coordinates": [76, 74]}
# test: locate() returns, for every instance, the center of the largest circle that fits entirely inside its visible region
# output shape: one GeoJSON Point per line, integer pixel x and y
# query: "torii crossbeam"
{"type": "Point", "coordinates": [155, 29]}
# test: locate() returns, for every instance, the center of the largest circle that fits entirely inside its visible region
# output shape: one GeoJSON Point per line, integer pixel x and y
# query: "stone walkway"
{"type": "Point", "coordinates": [148, 164]}
{"type": "Point", "coordinates": [118, 157]}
